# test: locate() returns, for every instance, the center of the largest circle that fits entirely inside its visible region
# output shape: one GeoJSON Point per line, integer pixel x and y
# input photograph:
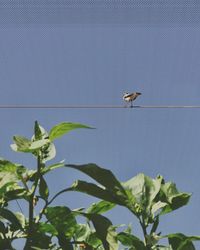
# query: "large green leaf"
{"type": "Point", "coordinates": [64, 222]}
{"type": "Point", "coordinates": [173, 197]}
{"type": "Point", "coordinates": [63, 128]}
{"type": "Point", "coordinates": [180, 241]}
{"type": "Point", "coordinates": [104, 177]}
{"type": "Point", "coordinates": [63, 219]}
{"type": "Point", "coordinates": [130, 240]}
{"type": "Point", "coordinates": [94, 190]}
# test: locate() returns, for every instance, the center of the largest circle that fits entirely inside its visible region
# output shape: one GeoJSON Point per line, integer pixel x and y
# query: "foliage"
{"type": "Point", "coordinates": [58, 227]}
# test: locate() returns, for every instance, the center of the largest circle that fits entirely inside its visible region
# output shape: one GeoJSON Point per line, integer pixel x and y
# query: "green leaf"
{"type": "Point", "coordinates": [157, 206]}
{"type": "Point", "coordinates": [52, 167]}
{"type": "Point", "coordinates": [43, 188]}
{"type": "Point", "coordinates": [48, 150]}
{"type": "Point", "coordinates": [47, 228]}
{"type": "Point", "coordinates": [82, 232]}
{"type": "Point", "coordinates": [25, 145]}
{"type": "Point", "coordinates": [144, 189]}
{"type": "Point", "coordinates": [38, 144]}
{"type": "Point", "coordinates": [173, 197]}
{"type": "Point", "coordinates": [94, 190]}
{"type": "Point", "coordinates": [104, 177]}
{"type": "Point", "coordinates": [63, 128]}
{"type": "Point", "coordinates": [22, 144]}
{"type": "Point", "coordinates": [38, 131]}
{"type": "Point", "coordinates": [94, 242]}
{"type": "Point", "coordinates": [64, 242]}
{"type": "Point", "coordinates": [100, 207]}
{"type": "Point", "coordinates": [130, 240]}
{"type": "Point", "coordinates": [105, 230]}
{"type": "Point", "coordinates": [63, 219]}
{"type": "Point", "coordinates": [180, 241]}
{"type": "Point", "coordinates": [16, 193]}
{"type": "Point", "coordinates": [11, 217]}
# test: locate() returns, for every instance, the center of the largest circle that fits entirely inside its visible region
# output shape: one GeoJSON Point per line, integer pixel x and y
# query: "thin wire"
{"type": "Point", "coordinates": [98, 107]}
{"type": "Point", "coordinates": [19, 206]}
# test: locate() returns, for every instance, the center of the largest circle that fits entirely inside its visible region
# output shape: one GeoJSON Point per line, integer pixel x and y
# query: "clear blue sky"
{"type": "Point", "coordinates": [93, 64]}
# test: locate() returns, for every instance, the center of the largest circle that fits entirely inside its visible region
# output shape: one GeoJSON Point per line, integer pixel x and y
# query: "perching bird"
{"type": "Point", "coordinates": [130, 97]}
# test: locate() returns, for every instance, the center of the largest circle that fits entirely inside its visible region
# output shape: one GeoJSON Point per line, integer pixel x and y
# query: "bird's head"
{"type": "Point", "coordinates": [138, 93]}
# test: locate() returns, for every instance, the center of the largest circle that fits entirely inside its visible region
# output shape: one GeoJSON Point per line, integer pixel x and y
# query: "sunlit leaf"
{"type": "Point", "coordinates": [22, 144]}
{"type": "Point", "coordinates": [47, 228]}
{"type": "Point", "coordinates": [173, 197]}
{"type": "Point", "coordinates": [62, 219]}
{"type": "Point", "coordinates": [143, 188]}
{"type": "Point", "coordinates": [21, 218]}
{"type": "Point", "coordinates": [100, 207]}
{"type": "Point", "coordinates": [63, 128]}
{"type": "Point", "coordinates": [52, 167]}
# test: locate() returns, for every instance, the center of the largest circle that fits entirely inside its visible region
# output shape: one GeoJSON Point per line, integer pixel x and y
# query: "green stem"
{"type": "Point", "coordinates": [52, 199]}
{"type": "Point", "coordinates": [144, 230]}
{"type": "Point", "coordinates": [31, 208]}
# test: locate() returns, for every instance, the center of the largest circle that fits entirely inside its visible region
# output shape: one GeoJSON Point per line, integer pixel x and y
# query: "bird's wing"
{"type": "Point", "coordinates": [129, 95]}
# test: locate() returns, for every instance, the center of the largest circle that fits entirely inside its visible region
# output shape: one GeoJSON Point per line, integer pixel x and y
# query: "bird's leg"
{"type": "Point", "coordinates": [131, 104]}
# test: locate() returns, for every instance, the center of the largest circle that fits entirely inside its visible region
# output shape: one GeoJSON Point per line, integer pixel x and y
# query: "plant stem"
{"type": "Point", "coordinates": [31, 208]}
{"type": "Point", "coordinates": [52, 199]}
{"type": "Point", "coordinates": [144, 230]}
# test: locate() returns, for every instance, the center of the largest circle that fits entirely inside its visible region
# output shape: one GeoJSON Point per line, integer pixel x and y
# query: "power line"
{"type": "Point", "coordinates": [99, 107]}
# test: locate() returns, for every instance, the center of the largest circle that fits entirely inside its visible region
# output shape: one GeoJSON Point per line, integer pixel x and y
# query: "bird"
{"type": "Point", "coordinates": [130, 97]}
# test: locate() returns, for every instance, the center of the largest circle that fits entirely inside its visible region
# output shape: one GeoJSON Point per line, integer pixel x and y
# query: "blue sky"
{"type": "Point", "coordinates": [87, 64]}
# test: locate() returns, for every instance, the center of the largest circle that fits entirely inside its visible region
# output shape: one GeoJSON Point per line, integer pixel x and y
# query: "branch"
{"type": "Point", "coordinates": [31, 207]}
{"type": "Point", "coordinates": [47, 203]}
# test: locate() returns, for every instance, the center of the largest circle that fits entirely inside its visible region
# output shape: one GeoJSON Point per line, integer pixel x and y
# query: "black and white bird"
{"type": "Point", "coordinates": [130, 97]}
